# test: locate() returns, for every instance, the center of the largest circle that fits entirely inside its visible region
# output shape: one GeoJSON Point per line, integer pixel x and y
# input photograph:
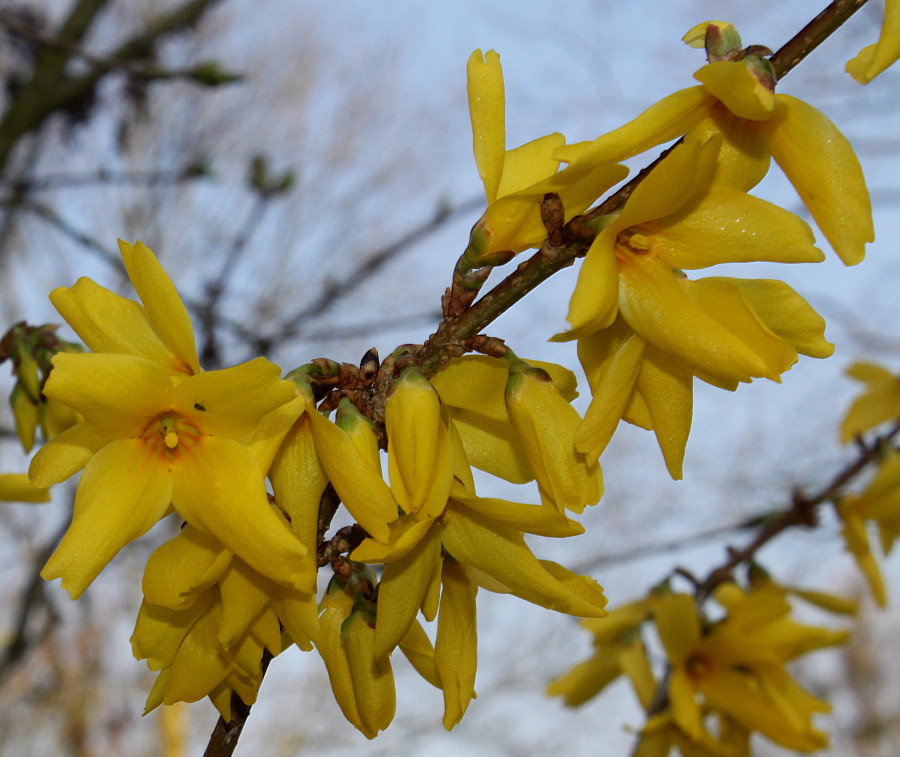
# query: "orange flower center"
{"type": "Point", "coordinates": [698, 667]}
{"type": "Point", "coordinates": [168, 433]}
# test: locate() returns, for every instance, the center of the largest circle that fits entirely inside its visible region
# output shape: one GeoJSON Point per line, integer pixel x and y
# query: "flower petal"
{"type": "Point", "coordinates": [501, 553]}
{"type": "Point", "coordinates": [401, 592]}
{"type": "Point", "coordinates": [730, 226]}
{"type": "Point", "coordinates": [824, 170]}
{"type": "Point", "coordinates": [874, 59]}
{"type": "Point", "coordinates": [116, 394]}
{"type": "Point", "coordinates": [123, 492]}
{"type": "Point", "coordinates": [660, 310]}
{"type": "Point", "coordinates": [219, 489]}
{"type": "Point", "coordinates": [666, 384]}
{"type": "Point", "coordinates": [16, 487]}
{"type": "Point", "coordinates": [64, 455]}
{"type": "Point", "coordinates": [665, 120]}
{"type": "Point", "coordinates": [487, 108]}
{"type": "Point", "coordinates": [231, 402]}
{"type": "Point", "coordinates": [734, 84]}
{"type": "Point", "coordinates": [456, 645]}
{"type": "Point", "coordinates": [182, 568]}
{"type": "Point", "coordinates": [531, 519]}
{"type": "Point", "coordinates": [595, 301]}
{"type": "Point", "coordinates": [164, 307]}
{"type": "Point", "coordinates": [107, 322]}
{"type": "Point", "coordinates": [529, 163]}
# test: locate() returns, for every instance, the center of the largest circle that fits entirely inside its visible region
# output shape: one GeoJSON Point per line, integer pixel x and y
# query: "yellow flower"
{"type": "Point", "coordinates": [874, 59]}
{"type": "Point", "coordinates": [678, 219]}
{"type": "Point", "coordinates": [515, 181]}
{"type": "Point", "coordinates": [737, 665]}
{"type": "Point", "coordinates": [618, 650]}
{"type": "Point", "coordinates": [362, 682]}
{"type": "Point", "coordinates": [880, 502]}
{"type": "Point", "coordinates": [546, 426]}
{"type": "Point", "coordinates": [879, 404]}
{"type": "Point", "coordinates": [15, 487]}
{"type": "Point", "coordinates": [147, 441]}
{"type": "Point", "coordinates": [473, 390]}
{"type": "Point", "coordinates": [634, 379]}
{"type": "Point", "coordinates": [756, 125]}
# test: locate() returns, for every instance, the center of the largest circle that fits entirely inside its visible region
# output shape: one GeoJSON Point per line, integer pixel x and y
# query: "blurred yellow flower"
{"type": "Point", "coordinates": [879, 404]}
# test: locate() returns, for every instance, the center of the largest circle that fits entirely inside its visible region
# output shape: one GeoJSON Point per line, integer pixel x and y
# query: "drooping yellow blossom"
{"type": "Point", "coordinates": [633, 379]}
{"type": "Point", "coordinates": [678, 219]}
{"type": "Point", "coordinates": [879, 404]}
{"type": "Point", "coordinates": [736, 100]}
{"type": "Point", "coordinates": [206, 619]}
{"type": "Point", "coordinates": [546, 426]}
{"type": "Point", "coordinates": [15, 487]}
{"type": "Point", "coordinates": [362, 682]}
{"type": "Point", "coordinates": [515, 181]}
{"type": "Point", "coordinates": [737, 665]}
{"type": "Point", "coordinates": [879, 503]}
{"type": "Point", "coordinates": [874, 59]}
{"type": "Point", "coordinates": [473, 390]}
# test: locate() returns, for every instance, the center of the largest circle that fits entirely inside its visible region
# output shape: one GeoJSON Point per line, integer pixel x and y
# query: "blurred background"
{"type": "Point", "coordinates": [303, 171]}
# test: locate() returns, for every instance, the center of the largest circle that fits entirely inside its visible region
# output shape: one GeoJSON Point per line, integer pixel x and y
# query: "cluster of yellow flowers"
{"type": "Point", "coordinates": [152, 434]}
{"type": "Point", "coordinates": [730, 670]}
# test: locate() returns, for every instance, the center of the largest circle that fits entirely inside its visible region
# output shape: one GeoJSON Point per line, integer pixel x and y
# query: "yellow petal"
{"type": "Point", "coordinates": [164, 307]}
{"type": "Point", "coordinates": [735, 85]}
{"type": "Point", "coordinates": [666, 384]}
{"type": "Point", "coordinates": [181, 569]}
{"type": "Point", "coordinates": [610, 399]}
{"type": "Point", "coordinates": [874, 59]}
{"type": "Point", "coordinates": [723, 301]}
{"type": "Point", "coordinates": [666, 120]}
{"type": "Point", "coordinates": [372, 677]}
{"type": "Point", "coordinates": [123, 492]}
{"type": "Point", "coordinates": [244, 595]}
{"type": "Point", "coordinates": [299, 615]}
{"type": "Point", "coordinates": [405, 534]}
{"type": "Point", "coordinates": [823, 168]}
{"type": "Point", "coordinates": [219, 489]}
{"type": "Point", "coordinates": [677, 624]}
{"type": "Point", "coordinates": [587, 679]}
{"type": "Point", "coordinates": [16, 487]}
{"type": "Point", "coordinates": [514, 222]}
{"type": "Point", "coordinates": [199, 666]}
{"type": "Point", "coordinates": [529, 163]}
{"type": "Point", "coordinates": [420, 458]}
{"type": "Point", "coordinates": [730, 226]}
{"type": "Point", "coordinates": [116, 394]}
{"type": "Point", "coordinates": [660, 310]}
{"type": "Point", "coordinates": [64, 455]}
{"type": "Point", "coordinates": [231, 402]}
{"type": "Point", "coordinates": [401, 592]}
{"type": "Point", "coordinates": [331, 648]}
{"type": "Point", "coordinates": [501, 553]}
{"type": "Point", "coordinates": [546, 425]}
{"type": "Point", "coordinates": [417, 648]}
{"type": "Point", "coordinates": [361, 488]}
{"type": "Point", "coordinates": [787, 314]}
{"type": "Point", "coordinates": [298, 480]}
{"type": "Point", "coordinates": [455, 651]}
{"type": "Point", "coordinates": [492, 446]}
{"type": "Point", "coordinates": [487, 108]}
{"type": "Point", "coordinates": [159, 631]}
{"type": "Point", "coordinates": [595, 301]}
{"type": "Point", "coordinates": [531, 519]}
{"type": "Point", "coordinates": [107, 322]}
